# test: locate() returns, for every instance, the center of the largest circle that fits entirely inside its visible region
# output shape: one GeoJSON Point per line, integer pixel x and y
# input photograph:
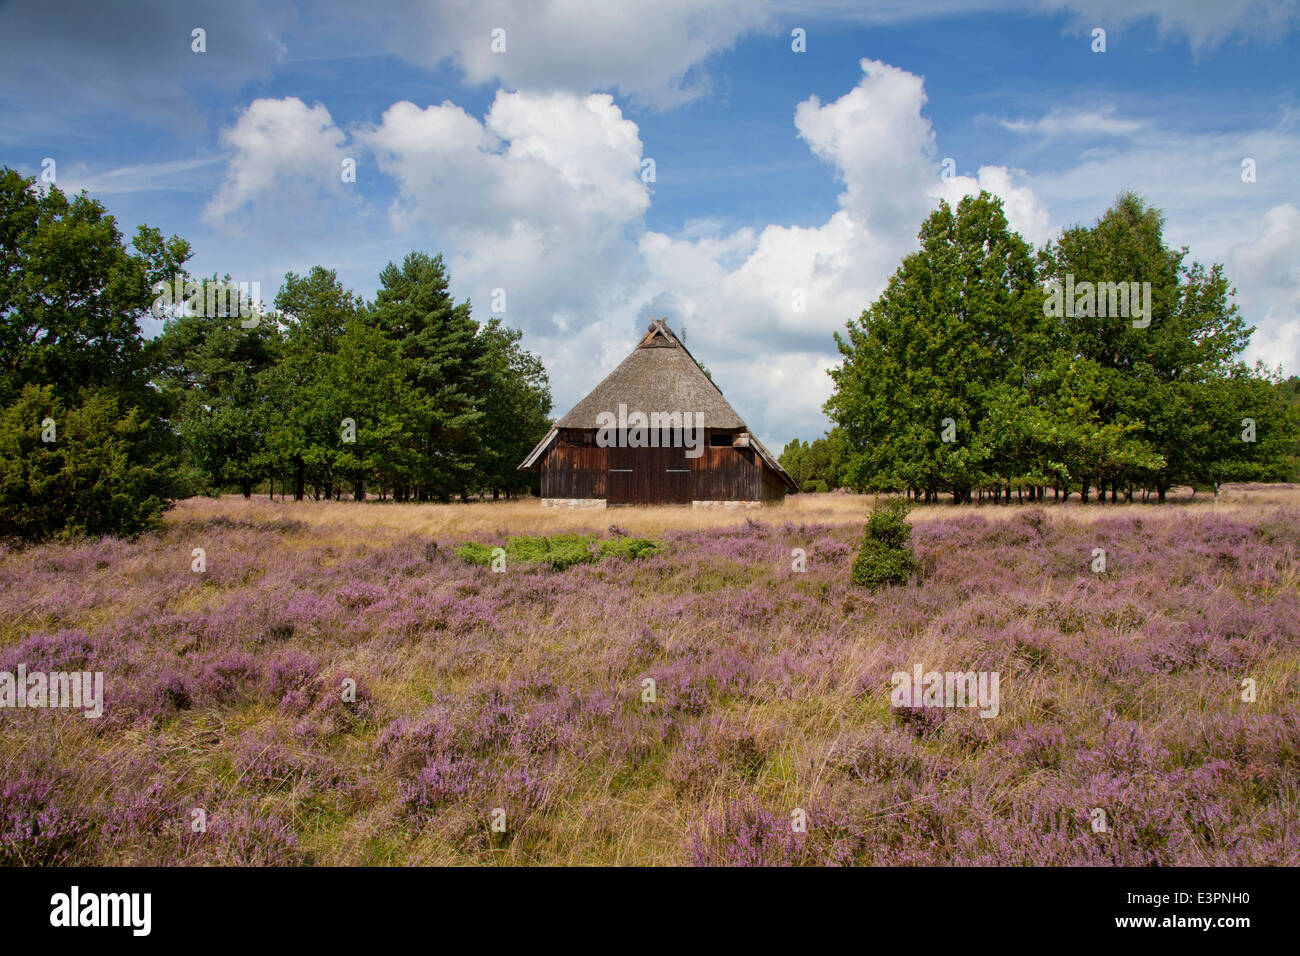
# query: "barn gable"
{"type": "Point", "coordinates": [660, 375]}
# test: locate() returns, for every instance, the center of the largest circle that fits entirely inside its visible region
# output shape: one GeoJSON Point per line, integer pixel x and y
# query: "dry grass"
{"type": "Point", "coordinates": [527, 516]}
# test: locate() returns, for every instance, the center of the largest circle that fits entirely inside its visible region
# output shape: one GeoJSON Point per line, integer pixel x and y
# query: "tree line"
{"type": "Point", "coordinates": [975, 372]}
{"type": "Point", "coordinates": [324, 394]}
{"type": "Point", "coordinates": [816, 466]}
{"type": "Point", "coordinates": [988, 368]}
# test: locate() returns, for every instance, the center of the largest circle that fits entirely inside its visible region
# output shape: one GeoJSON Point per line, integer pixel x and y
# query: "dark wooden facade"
{"type": "Point", "coordinates": [578, 468]}
{"type": "Point", "coordinates": [733, 465]}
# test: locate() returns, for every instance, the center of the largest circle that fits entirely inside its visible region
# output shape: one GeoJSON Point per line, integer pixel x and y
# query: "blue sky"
{"type": "Point", "coordinates": [779, 176]}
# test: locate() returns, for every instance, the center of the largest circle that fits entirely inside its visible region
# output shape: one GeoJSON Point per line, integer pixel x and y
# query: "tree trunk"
{"type": "Point", "coordinates": [299, 480]}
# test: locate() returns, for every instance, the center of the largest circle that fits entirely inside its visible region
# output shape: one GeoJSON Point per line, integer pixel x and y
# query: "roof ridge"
{"type": "Point", "coordinates": [661, 379]}
{"type": "Point", "coordinates": [661, 326]}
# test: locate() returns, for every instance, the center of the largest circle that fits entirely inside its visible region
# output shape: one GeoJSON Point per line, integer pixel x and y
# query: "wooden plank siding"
{"type": "Point", "coordinates": [574, 471]}
{"type": "Point", "coordinates": [727, 474]}
{"type": "Point", "coordinates": [646, 476]}
{"type": "Point", "coordinates": [656, 475]}
{"type": "Point", "coordinates": [773, 488]}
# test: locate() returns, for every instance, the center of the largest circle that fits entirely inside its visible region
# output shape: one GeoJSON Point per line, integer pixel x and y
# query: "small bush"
{"type": "Point", "coordinates": [884, 557]}
{"type": "Point", "coordinates": [559, 551]}
{"type": "Point", "coordinates": [629, 549]}
{"type": "Point", "coordinates": [815, 486]}
{"type": "Point", "coordinates": [101, 475]}
{"type": "Point", "coordinates": [475, 553]}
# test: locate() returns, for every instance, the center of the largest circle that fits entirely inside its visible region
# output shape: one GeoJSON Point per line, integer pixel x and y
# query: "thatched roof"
{"type": "Point", "coordinates": [660, 375]}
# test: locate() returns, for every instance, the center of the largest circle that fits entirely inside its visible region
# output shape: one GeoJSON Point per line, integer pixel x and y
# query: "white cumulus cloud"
{"type": "Point", "coordinates": [286, 155]}
{"type": "Point", "coordinates": [775, 353]}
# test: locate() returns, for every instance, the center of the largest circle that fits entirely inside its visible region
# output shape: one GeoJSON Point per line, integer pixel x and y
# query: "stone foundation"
{"type": "Point", "coordinates": [726, 504]}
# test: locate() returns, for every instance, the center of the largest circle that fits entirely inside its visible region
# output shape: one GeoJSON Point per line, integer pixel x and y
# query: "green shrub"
{"type": "Point", "coordinates": [884, 556]}
{"type": "Point", "coordinates": [475, 553]}
{"type": "Point", "coordinates": [99, 474]}
{"type": "Point", "coordinates": [559, 551]}
{"type": "Point", "coordinates": [629, 549]}
{"type": "Point", "coordinates": [815, 486]}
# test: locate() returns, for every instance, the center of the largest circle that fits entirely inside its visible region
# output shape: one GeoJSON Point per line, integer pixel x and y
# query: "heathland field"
{"type": "Point", "coordinates": [707, 703]}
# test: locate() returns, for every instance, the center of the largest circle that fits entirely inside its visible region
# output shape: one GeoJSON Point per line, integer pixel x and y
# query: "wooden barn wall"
{"type": "Point", "coordinates": [657, 475]}
{"type": "Point", "coordinates": [574, 471]}
{"type": "Point", "coordinates": [774, 488]}
{"type": "Point", "coordinates": [726, 474]}
{"type": "Point", "coordinates": [649, 476]}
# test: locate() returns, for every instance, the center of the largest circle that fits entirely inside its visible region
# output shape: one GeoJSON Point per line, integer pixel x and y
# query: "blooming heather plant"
{"type": "Point", "coordinates": [38, 827]}
{"type": "Point", "coordinates": [1126, 691]}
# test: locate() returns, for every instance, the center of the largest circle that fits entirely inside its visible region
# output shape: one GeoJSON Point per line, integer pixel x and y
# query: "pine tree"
{"type": "Point", "coordinates": [447, 367]}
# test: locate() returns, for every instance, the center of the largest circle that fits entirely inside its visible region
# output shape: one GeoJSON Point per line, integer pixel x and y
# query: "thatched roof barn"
{"type": "Point", "coordinates": [655, 431]}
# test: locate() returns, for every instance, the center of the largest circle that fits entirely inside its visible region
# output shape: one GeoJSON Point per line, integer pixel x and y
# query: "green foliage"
{"type": "Point", "coordinates": [95, 477]}
{"type": "Point", "coordinates": [820, 462]}
{"type": "Point", "coordinates": [447, 367]}
{"type": "Point", "coordinates": [629, 549]}
{"type": "Point", "coordinates": [211, 368]}
{"type": "Point", "coordinates": [958, 379]}
{"type": "Point", "coordinates": [516, 410]}
{"type": "Point", "coordinates": [959, 316]}
{"type": "Point", "coordinates": [72, 294]}
{"type": "Point", "coordinates": [815, 486]}
{"type": "Point", "coordinates": [475, 553]}
{"type": "Point", "coordinates": [1288, 394]}
{"type": "Point", "coordinates": [317, 310]}
{"type": "Point", "coordinates": [560, 551]}
{"type": "Point", "coordinates": [410, 394]}
{"type": "Point", "coordinates": [885, 557]}
{"type": "Point", "coordinates": [792, 460]}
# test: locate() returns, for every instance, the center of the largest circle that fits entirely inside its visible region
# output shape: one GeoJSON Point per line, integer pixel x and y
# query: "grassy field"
{"type": "Point", "coordinates": [523, 693]}
{"type": "Point", "coordinates": [527, 517]}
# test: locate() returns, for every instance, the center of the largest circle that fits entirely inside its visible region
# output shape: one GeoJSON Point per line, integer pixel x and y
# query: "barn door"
{"type": "Point", "coordinates": [620, 483]}
{"type": "Point", "coordinates": [679, 480]}
{"type": "Point", "coordinates": [649, 476]}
